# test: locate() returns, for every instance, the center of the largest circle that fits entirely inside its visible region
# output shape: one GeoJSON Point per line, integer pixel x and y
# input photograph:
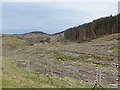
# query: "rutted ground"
{"type": "Point", "coordinates": [74, 60]}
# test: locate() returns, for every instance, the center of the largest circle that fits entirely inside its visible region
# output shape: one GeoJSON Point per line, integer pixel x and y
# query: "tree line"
{"type": "Point", "coordinates": [97, 28]}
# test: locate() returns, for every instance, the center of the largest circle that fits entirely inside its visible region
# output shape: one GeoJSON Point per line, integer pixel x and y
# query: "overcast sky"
{"type": "Point", "coordinates": [51, 17]}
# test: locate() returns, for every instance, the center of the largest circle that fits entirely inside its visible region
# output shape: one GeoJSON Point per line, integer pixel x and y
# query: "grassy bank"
{"type": "Point", "coordinates": [15, 77]}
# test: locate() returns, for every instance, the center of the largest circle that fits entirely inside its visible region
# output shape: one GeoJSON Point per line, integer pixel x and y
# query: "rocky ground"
{"type": "Point", "coordinates": [81, 61]}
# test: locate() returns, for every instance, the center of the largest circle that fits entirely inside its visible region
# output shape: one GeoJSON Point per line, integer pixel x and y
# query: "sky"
{"type": "Point", "coordinates": [51, 17]}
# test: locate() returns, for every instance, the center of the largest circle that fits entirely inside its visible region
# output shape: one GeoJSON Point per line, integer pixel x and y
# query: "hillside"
{"type": "Point", "coordinates": [70, 65]}
{"type": "Point", "coordinates": [31, 38]}
{"type": "Point", "coordinates": [40, 60]}
{"type": "Point", "coordinates": [58, 37]}
{"type": "Point", "coordinates": [92, 30]}
{"type": "Point", "coordinates": [37, 32]}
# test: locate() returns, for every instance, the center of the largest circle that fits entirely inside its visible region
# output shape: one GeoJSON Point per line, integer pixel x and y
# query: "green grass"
{"type": "Point", "coordinates": [15, 77]}
{"type": "Point", "coordinates": [81, 56]}
{"type": "Point", "coordinates": [17, 41]}
{"type": "Point", "coordinates": [91, 55]}
{"type": "Point", "coordinates": [12, 42]}
{"type": "Point", "coordinates": [63, 57]}
{"type": "Point", "coordinates": [87, 55]}
{"type": "Point", "coordinates": [114, 49]}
